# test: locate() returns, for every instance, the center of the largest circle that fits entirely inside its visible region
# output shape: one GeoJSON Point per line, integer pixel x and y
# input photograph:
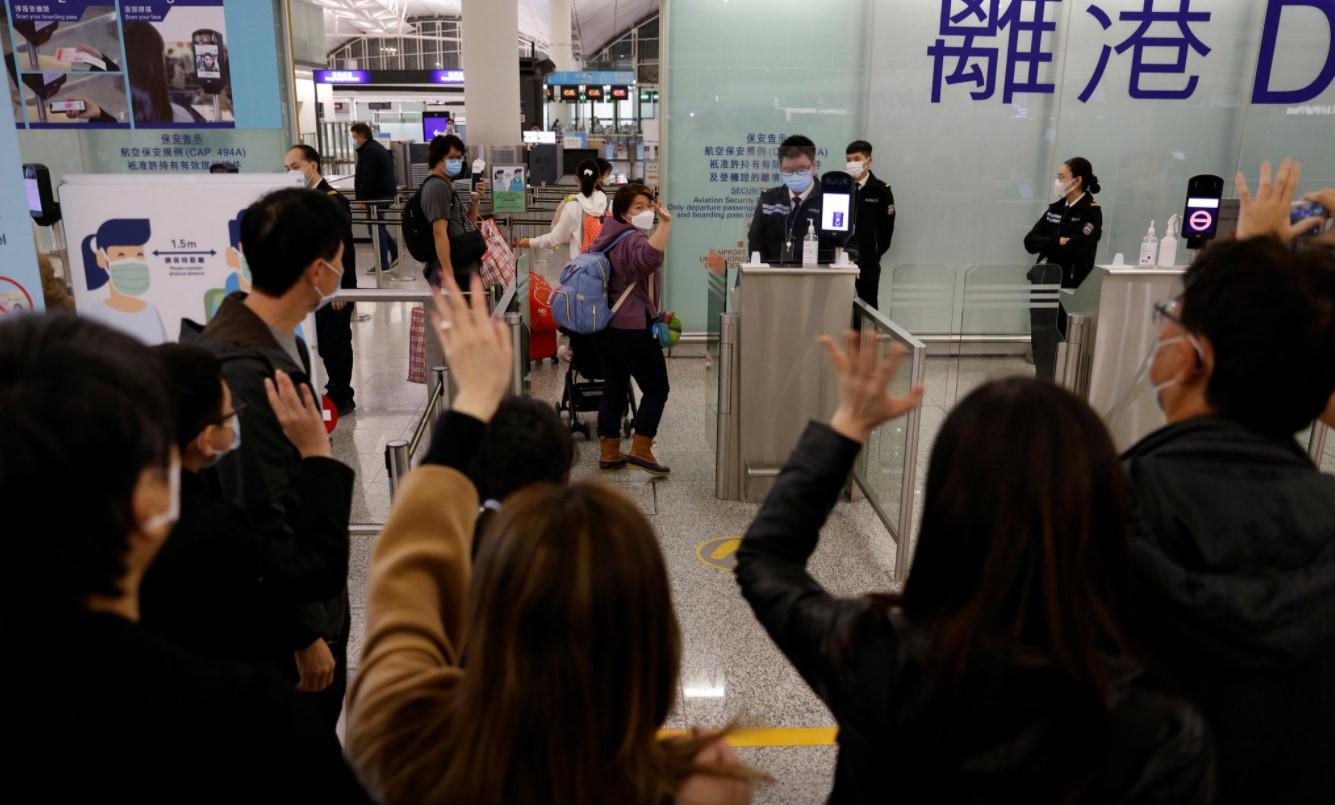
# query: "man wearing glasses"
{"type": "Point", "coordinates": [785, 214]}
{"type": "Point", "coordinates": [223, 586]}
{"type": "Point", "coordinates": [1233, 594]}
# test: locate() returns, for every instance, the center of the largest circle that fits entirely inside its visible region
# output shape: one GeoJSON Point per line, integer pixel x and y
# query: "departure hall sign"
{"type": "Point", "coordinates": [1162, 38]}
{"type": "Point", "coordinates": [389, 77]}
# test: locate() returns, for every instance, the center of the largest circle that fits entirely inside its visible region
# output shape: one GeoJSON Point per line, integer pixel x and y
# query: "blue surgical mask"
{"type": "Point", "coordinates": [797, 182]}
{"type": "Point", "coordinates": [454, 167]}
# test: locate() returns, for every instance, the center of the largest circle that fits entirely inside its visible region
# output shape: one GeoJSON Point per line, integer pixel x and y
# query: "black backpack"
{"type": "Point", "coordinates": [417, 233]}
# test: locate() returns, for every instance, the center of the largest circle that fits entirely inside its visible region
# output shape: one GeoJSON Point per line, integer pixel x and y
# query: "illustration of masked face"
{"type": "Point", "coordinates": [129, 275]}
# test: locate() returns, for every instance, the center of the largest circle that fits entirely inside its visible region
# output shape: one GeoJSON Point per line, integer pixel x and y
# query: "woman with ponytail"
{"type": "Point", "coordinates": [117, 255]}
{"type": "Point", "coordinates": [581, 216]}
{"type": "Point", "coordinates": [1065, 239]}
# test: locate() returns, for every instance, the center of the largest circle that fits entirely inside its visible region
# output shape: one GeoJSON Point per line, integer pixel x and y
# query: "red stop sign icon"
{"type": "Point", "coordinates": [1201, 220]}
{"type": "Point", "coordinates": [330, 413]}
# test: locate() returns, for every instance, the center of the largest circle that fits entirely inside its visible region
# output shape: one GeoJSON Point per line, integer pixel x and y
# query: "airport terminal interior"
{"type": "Point", "coordinates": [984, 190]}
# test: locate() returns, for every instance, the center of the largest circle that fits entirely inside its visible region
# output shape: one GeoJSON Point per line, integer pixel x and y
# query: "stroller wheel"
{"type": "Point", "coordinates": [627, 426]}
{"type": "Point", "coordinates": [586, 430]}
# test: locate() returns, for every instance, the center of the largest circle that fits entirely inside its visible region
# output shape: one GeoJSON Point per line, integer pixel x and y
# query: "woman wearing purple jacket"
{"type": "Point", "coordinates": [628, 347]}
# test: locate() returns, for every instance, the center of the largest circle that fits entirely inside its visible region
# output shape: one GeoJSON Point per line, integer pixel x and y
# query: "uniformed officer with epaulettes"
{"type": "Point", "coordinates": [785, 214]}
{"type": "Point", "coordinates": [1065, 240]}
{"type": "Point", "coordinates": [874, 223]}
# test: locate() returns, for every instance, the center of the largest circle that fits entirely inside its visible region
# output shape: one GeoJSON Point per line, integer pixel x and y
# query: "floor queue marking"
{"type": "Point", "coordinates": [719, 553]}
{"type": "Point", "coordinates": [773, 736]}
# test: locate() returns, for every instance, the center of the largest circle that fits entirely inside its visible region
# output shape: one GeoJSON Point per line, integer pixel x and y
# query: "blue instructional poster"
{"type": "Point", "coordinates": [20, 282]}
{"type": "Point", "coordinates": [151, 64]}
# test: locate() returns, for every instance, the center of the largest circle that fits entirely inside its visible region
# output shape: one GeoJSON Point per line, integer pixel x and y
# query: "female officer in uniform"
{"type": "Point", "coordinates": [1065, 240]}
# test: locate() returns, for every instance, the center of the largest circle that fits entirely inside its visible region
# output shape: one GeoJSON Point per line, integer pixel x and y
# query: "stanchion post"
{"type": "Point", "coordinates": [516, 324]}
{"type": "Point", "coordinates": [373, 214]}
{"type": "Point", "coordinates": [440, 380]}
{"type": "Point", "coordinates": [396, 464]}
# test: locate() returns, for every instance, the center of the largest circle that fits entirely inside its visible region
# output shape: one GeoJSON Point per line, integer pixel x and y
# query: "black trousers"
{"type": "Point", "coordinates": [630, 354]}
{"type": "Point", "coordinates": [1045, 323]}
{"type": "Point", "coordinates": [869, 283]}
{"type": "Point", "coordinates": [333, 331]}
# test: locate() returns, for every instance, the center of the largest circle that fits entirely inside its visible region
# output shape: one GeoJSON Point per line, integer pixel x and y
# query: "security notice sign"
{"type": "Point", "coordinates": [507, 188]}
{"type": "Point", "coordinates": [149, 251]}
{"type": "Point", "coordinates": [20, 284]}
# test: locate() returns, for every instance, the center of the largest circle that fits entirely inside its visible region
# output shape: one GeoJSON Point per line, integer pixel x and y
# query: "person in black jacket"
{"type": "Point", "coordinates": [874, 222]}
{"type": "Point", "coordinates": [333, 323]}
{"type": "Point", "coordinates": [293, 242]}
{"type": "Point", "coordinates": [374, 181]}
{"type": "Point", "coordinates": [1065, 239]}
{"type": "Point", "coordinates": [1234, 553]}
{"type": "Point", "coordinates": [219, 586]}
{"type": "Point", "coordinates": [101, 706]}
{"type": "Point", "coordinates": [1001, 674]}
{"type": "Point", "coordinates": [785, 214]}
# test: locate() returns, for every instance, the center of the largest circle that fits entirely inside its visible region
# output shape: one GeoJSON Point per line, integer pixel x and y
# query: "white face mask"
{"type": "Point", "coordinates": [855, 169]}
{"type": "Point", "coordinates": [327, 298]}
{"type": "Point", "coordinates": [235, 443]}
{"type": "Point", "coordinates": [1167, 384]}
{"type": "Point", "coordinates": [168, 518]}
{"type": "Point", "coordinates": [1060, 188]}
{"type": "Point", "coordinates": [643, 221]}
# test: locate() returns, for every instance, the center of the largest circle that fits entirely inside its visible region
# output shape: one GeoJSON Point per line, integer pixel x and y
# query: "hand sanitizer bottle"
{"type": "Point", "coordinates": [1168, 246]}
{"type": "Point", "coordinates": [811, 247]}
{"type": "Point", "coordinates": [1149, 248]}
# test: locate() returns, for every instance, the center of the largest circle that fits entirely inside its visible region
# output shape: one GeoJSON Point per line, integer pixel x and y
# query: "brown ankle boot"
{"type": "Point", "coordinates": [641, 456]}
{"type": "Point", "coordinates": [611, 457]}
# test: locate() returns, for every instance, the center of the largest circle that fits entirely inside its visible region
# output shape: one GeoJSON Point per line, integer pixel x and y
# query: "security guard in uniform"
{"type": "Point", "coordinates": [1065, 240]}
{"type": "Point", "coordinates": [874, 223]}
{"type": "Point", "coordinates": [333, 323]}
{"type": "Point", "coordinates": [785, 214]}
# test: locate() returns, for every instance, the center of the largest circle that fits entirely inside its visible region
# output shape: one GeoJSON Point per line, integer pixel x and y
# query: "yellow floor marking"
{"type": "Point", "coordinates": [774, 736]}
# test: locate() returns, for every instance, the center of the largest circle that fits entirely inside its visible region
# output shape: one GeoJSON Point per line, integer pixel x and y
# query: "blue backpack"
{"type": "Point", "coordinates": [579, 301]}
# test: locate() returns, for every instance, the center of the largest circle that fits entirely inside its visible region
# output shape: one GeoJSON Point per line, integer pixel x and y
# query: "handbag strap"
{"type": "Point", "coordinates": [622, 299]}
{"type": "Point", "coordinates": [630, 287]}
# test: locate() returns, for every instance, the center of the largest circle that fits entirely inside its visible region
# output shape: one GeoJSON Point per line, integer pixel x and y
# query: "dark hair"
{"type": "Point", "coordinates": [1014, 562]}
{"type": "Point", "coordinates": [284, 232]}
{"type": "Point", "coordinates": [83, 411]}
{"type": "Point", "coordinates": [146, 66]}
{"type": "Point", "coordinates": [194, 381]}
{"type": "Point", "coordinates": [570, 622]}
{"type": "Point", "coordinates": [797, 146]}
{"type": "Point", "coordinates": [588, 173]}
{"type": "Point", "coordinates": [858, 147]}
{"type": "Point", "coordinates": [112, 233]}
{"type": "Point", "coordinates": [1082, 170]}
{"type": "Point", "coordinates": [307, 153]}
{"type": "Point", "coordinates": [603, 165]}
{"type": "Point", "coordinates": [1261, 309]}
{"type": "Point", "coordinates": [234, 229]}
{"type": "Point", "coordinates": [441, 146]}
{"type": "Point", "coordinates": [362, 129]}
{"type": "Point", "coordinates": [625, 197]}
{"type": "Point", "coordinates": [525, 443]}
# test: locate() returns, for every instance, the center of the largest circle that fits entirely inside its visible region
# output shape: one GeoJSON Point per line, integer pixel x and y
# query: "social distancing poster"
{"type": "Point", "coordinates": [147, 252]}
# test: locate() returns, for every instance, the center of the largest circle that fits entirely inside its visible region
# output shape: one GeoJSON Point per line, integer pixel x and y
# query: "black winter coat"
{"type": "Point", "coordinates": [259, 476]}
{"type": "Point", "coordinates": [1082, 222]}
{"type": "Point", "coordinates": [374, 178]}
{"type": "Point", "coordinates": [224, 588]}
{"type": "Point", "coordinates": [864, 661]}
{"type": "Point", "coordinates": [1235, 594]}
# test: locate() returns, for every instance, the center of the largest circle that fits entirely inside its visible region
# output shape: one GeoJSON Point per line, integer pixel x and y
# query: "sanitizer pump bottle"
{"type": "Point", "coordinates": [1168, 246]}
{"type": "Point", "coordinates": [1149, 248]}
{"type": "Point", "coordinates": [811, 247]}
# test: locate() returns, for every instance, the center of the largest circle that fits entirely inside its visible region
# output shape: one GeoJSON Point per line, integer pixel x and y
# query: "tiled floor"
{"type": "Point", "coordinates": [731, 673]}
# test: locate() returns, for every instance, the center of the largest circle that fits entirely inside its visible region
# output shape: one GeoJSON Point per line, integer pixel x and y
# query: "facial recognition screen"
{"type": "Point", "coordinates": [834, 212]}
{"type": "Point", "coordinates": [1202, 217]}
{"type": "Point", "coordinates": [34, 195]}
{"type": "Point", "coordinates": [206, 61]}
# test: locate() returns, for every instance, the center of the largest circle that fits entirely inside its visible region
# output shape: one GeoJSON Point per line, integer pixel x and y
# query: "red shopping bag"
{"type": "Point", "coordinates": [498, 264]}
{"type": "Point", "coordinates": [417, 346]}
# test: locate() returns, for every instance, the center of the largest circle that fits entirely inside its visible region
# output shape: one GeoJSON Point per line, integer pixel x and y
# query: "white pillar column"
{"type": "Point", "coordinates": [491, 71]}
{"type": "Point", "coordinates": [560, 31]}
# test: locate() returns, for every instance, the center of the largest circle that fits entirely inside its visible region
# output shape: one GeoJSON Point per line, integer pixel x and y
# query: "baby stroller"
{"type": "Point", "coordinates": [584, 387]}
